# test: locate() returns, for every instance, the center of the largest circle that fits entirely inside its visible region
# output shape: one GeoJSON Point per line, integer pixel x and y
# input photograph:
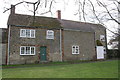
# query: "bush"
{"type": "Point", "coordinates": [98, 42]}
{"type": "Point", "coordinates": [112, 53]}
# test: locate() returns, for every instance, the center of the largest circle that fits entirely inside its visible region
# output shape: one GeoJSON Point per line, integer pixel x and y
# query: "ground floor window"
{"type": "Point", "coordinates": [75, 49]}
{"type": "Point", "coordinates": [27, 50]}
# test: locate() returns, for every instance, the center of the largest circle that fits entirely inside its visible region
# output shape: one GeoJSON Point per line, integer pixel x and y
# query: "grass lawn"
{"type": "Point", "coordinates": [104, 69]}
{"type": "Point", "coordinates": [0, 72]}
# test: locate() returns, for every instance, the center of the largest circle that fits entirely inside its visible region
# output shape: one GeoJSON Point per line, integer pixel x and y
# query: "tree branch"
{"type": "Point", "coordinates": [109, 12]}
{"type": "Point", "coordinates": [18, 4]}
{"type": "Point", "coordinates": [94, 11]}
{"type": "Point", "coordinates": [83, 10]}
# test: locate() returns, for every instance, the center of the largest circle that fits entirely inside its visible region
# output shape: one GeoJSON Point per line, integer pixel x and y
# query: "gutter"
{"type": "Point", "coordinates": [42, 27]}
{"type": "Point", "coordinates": [78, 30]}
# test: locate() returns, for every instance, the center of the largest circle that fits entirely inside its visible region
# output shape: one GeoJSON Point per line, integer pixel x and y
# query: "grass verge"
{"type": "Point", "coordinates": [103, 69]}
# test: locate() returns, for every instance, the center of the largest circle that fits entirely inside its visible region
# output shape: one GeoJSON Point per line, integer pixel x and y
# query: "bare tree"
{"type": "Point", "coordinates": [101, 12]}
{"type": "Point", "coordinates": [38, 5]}
{"type": "Point", "coordinates": [114, 42]}
{"type": "Point", "coordinates": [100, 16]}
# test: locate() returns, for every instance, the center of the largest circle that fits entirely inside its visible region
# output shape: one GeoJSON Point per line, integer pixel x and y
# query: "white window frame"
{"type": "Point", "coordinates": [102, 37]}
{"type": "Point", "coordinates": [25, 35]}
{"type": "Point", "coordinates": [48, 35]}
{"type": "Point", "coordinates": [25, 50]}
{"type": "Point", "coordinates": [22, 35]}
{"type": "Point", "coordinates": [74, 50]}
{"type": "Point", "coordinates": [33, 33]}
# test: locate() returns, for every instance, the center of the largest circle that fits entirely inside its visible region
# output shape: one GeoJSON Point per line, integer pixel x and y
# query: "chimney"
{"type": "Point", "coordinates": [12, 9]}
{"type": "Point", "coordinates": [59, 14]}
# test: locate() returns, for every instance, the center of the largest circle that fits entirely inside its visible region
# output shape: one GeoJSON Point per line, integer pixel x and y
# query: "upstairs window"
{"type": "Point", "coordinates": [22, 33]}
{"type": "Point", "coordinates": [102, 37]}
{"type": "Point", "coordinates": [29, 33]}
{"type": "Point", "coordinates": [50, 34]}
{"type": "Point", "coordinates": [75, 49]}
{"type": "Point", "coordinates": [27, 50]}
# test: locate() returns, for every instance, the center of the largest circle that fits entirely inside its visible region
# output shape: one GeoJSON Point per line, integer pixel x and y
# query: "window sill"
{"type": "Point", "coordinates": [27, 54]}
{"type": "Point", "coordinates": [73, 53]}
{"type": "Point", "coordinates": [27, 37]}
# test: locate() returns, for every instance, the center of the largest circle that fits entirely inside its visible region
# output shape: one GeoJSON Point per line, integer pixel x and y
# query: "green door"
{"type": "Point", "coordinates": [43, 53]}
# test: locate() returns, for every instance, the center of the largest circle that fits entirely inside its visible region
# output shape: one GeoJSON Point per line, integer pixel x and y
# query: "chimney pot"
{"type": "Point", "coordinates": [59, 14]}
{"type": "Point", "coordinates": [12, 9]}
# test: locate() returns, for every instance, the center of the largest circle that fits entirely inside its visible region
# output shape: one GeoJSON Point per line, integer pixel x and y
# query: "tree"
{"type": "Point", "coordinates": [101, 11]}
{"type": "Point", "coordinates": [114, 42]}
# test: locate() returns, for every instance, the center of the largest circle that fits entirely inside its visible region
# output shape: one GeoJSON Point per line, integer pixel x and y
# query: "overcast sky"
{"type": "Point", "coordinates": [68, 9]}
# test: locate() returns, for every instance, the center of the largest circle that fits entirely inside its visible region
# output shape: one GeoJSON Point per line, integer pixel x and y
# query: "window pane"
{"type": "Point", "coordinates": [32, 33]}
{"type": "Point", "coordinates": [27, 33]}
{"type": "Point", "coordinates": [77, 49]}
{"type": "Point", "coordinates": [73, 49]}
{"type": "Point", "coordinates": [22, 33]}
{"type": "Point", "coordinates": [22, 50]}
{"type": "Point", "coordinates": [32, 50]}
{"type": "Point", "coordinates": [27, 50]}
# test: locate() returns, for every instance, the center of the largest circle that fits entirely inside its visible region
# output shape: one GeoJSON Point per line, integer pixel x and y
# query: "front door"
{"type": "Point", "coordinates": [43, 53]}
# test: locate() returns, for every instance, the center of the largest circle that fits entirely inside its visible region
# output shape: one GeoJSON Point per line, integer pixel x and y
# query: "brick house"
{"type": "Point", "coordinates": [40, 39]}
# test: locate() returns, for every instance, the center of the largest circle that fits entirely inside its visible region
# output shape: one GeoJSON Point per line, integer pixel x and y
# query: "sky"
{"type": "Point", "coordinates": [23, 9]}
{"type": "Point", "coordinates": [68, 10]}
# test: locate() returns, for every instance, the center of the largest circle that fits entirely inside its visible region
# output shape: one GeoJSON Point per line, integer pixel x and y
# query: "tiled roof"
{"type": "Point", "coordinates": [27, 20]}
{"type": "Point", "coordinates": [48, 22]}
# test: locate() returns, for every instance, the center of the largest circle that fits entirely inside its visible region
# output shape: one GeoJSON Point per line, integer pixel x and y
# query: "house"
{"type": "Point", "coordinates": [44, 39]}
{"type": "Point", "coordinates": [3, 45]}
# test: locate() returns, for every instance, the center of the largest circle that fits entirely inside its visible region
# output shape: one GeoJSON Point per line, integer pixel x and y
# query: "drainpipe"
{"type": "Point", "coordinates": [61, 44]}
{"type": "Point", "coordinates": [8, 59]}
{"type": "Point", "coordinates": [106, 44]}
{"type": "Point", "coordinates": [95, 45]}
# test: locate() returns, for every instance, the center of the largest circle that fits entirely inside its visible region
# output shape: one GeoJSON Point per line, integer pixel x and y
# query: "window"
{"type": "Point", "coordinates": [75, 49]}
{"type": "Point", "coordinates": [22, 33]}
{"type": "Point", "coordinates": [27, 50]}
{"type": "Point", "coordinates": [29, 33]}
{"type": "Point", "coordinates": [50, 34]}
{"type": "Point", "coordinates": [22, 50]}
{"type": "Point", "coordinates": [32, 50]}
{"type": "Point", "coordinates": [102, 38]}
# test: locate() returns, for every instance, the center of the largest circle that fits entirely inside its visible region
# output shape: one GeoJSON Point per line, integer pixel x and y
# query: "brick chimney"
{"type": "Point", "coordinates": [12, 9]}
{"type": "Point", "coordinates": [59, 14]}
